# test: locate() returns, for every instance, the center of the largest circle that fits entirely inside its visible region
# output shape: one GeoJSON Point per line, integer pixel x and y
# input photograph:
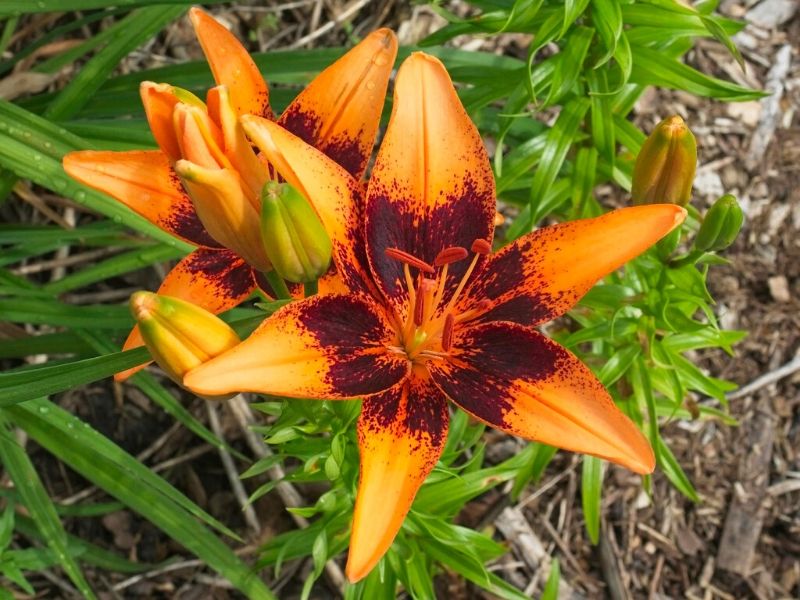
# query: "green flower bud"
{"type": "Point", "coordinates": [292, 234]}
{"type": "Point", "coordinates": [666, 164]}
{"type": "Point", "coordinates": [721, 225]}
{"type": "Point", "coordinates": [180, 335]}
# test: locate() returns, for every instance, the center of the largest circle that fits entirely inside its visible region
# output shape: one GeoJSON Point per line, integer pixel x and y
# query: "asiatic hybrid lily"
{"type": "Point", "coordinates": [203, 186]}
{"type": "Point", "coordinates": [431, 313]}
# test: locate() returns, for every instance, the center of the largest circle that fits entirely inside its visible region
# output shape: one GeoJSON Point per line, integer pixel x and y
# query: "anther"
{"type": "Point", "coordinates": [419, 304]}
{"type": "Point", "coordinates": [447, 332]}
{"type": "Point", "coordinates": [481, 246]}
{"type": "Point", "coordinates": [450, 255]}
{"type": "Point", "coordinates": [405, 257]}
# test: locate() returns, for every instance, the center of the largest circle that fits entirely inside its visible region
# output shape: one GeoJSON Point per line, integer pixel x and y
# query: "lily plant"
{"type": "Point", "coordinates": [427, 313]}
{"type": "Point", "coordinates": [204, 183]}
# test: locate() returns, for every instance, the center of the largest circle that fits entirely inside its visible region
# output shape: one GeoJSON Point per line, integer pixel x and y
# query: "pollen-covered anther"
{"type": "Point", "coordinates": [447, 332]}
{"type": "Point", "coordinates": [419, 302]}
{"type": "Point", "coordinates": [481, 246]}
{"type": "Point", "coordinates": [409, 259]}
{"type": "Point", "coordinates": [450, 255]}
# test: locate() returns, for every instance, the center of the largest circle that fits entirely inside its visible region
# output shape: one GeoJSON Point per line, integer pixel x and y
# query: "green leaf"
{"type": "Point", "coordinates": [569, 63]}
{"type": "Point", "coordinates": [112, 267]}
{"type": "Point", "coordinates": [572, 10]}
{"type": "Point", "coordinates": [40, 507]}
{"type": "Point", "coordinates": [46, 380]}
{"type": "Point", "coordinates": [607, 20]}
{"type": "Point", "coordinates": [54, 313]}
{"type": "Point", "coordinates": [122, 476]}
{"type": "Point", "coordinates": [651, 67]}
{"type": "Point", "coordinates": [591, 490]}
{"type": "Point", "coordinates": [550, 591]}
{"type": "Point", "coordinates": [557, 142]}
{"type": "Point", "coordinates": [20, 7]}
{"type": "Point", "coordinates": [674, 472]}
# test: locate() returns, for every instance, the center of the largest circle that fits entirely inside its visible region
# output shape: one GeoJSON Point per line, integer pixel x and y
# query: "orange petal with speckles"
{"type": "Point", "coordinates": [340, 110]}
{"type": "Point", "coordinates": [515, 379]}
{"type": "Point", "coordinates": [401, 434]}
{"type": "Point", "coordinates": [145, 182]}
{"type": "Point", "coordinates": [321, 347]}
{"type": "Point", "coordinates": [432, 185]}
{"type": "Point", "coordinates": [543, 274]}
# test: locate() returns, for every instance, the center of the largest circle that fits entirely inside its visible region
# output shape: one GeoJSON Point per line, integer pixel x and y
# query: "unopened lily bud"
{"type": "Point", "coordinates": [666, 164]}
{"type": "Point", "coordinates": [293, 235]}
{"type": "Point", "coordinates": [721, 225]}
{"type": "Point", "coordinates": [179, 335]}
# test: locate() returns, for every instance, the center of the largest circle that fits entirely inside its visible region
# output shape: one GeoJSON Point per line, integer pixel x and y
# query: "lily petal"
{"type": "Point", "coordinates": [145, 182]}
{"type": "Point", "coordinates": [215, 280]}
{"type": "Point", "coordinates": [432, 186]}
{"type": "Point", "coordinates": [401, 435]}
{"type": "Point", "coordinates": [237, 149]}
{"type": "Point", "coordinates": [543, 274]}
{"type": "Point", "coordinates": [226, 210]}
{"type": "Point", "coordinates": [333, 193]}
{"type": "Point", "coordinates": [340, 110]}
{"type": "Point", "coordinates": [321, 347]}
{"type": "Point", "coordinates": [519, 381]}
{"type": "Point", "coordinates": [231, 65]}
{"type": "Point", "coordinates": [159, 101]}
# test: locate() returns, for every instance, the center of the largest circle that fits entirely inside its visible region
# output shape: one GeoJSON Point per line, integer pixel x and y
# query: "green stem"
{"type": "Point", "coordinates": [310, 288]}
{"type": "Point", "coordinates": [689, 259]}
{"type": "Point", "coordinates": [278, 285]}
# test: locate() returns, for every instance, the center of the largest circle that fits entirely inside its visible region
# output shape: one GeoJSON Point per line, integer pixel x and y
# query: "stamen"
{"type": "Point", "coordinates": [447, 332]}
{"type": "Point", "coordinates": [481, 246]}
{"type": "Point", "coordinates": [450, 255]}
{"type": "Point", "coordinates": [419, 304]}
{"type": "Point", "coordinates": [409, 259]}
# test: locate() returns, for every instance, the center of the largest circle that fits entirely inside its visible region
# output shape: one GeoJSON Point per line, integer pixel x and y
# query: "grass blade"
{"type": "Point", "coordinates": [109, 467]}
{"type": "Point", "coordinates": [37, 501]}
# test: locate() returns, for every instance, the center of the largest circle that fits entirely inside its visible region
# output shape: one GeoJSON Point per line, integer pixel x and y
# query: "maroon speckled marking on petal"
{"type": "Point", "coordinates": [353, 334]}
{"type": "Point", "coordinates": [348, 152]}
{"type": "Point", "coordinates": [183, 220]}
{"type": "Point", "coordinates": [512, 279]}
{"type": "Point", "coordinates": [421, 414]}
{"type": "Point", "coordinates": [231, 275]}
{"type": "Point", "coordinates": [396, 223]}
{"type": "Point", "coordinates": [487, 360]}
{"type": "Point", "coordinates": [345, 151]}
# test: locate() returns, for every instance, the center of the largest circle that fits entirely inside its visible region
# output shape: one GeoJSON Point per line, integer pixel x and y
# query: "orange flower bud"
{"type": "Point", "coordinates": [179, 335]}
{"type": "Point", "coordinates": [666, 164]}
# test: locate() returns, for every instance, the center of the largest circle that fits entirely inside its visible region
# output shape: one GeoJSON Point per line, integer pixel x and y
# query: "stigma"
{"type": "Point", "coordinates": [427, 330]}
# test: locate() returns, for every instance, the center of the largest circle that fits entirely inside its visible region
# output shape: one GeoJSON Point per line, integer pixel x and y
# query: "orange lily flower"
{"type": "Point", "coordinates": [203, 185]}
{"type": "Point", "coordinates": [432, 314]}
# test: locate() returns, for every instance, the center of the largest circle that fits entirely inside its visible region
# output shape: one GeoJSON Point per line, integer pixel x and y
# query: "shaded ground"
{"type": "Point", "coordinates": [666, 547]}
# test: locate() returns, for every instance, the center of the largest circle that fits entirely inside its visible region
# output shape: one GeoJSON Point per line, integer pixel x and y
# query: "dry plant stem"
{"type": "Point", "coordinates": [343, 16]}
{"type": "Point", "coordinates": [527, 545]}
{"type": "Point", "coordinates": [746, 513]}
{"type": "Point", "coordinates": [230, 469]}
{"type": "Point", "coordinates": [288, 493]}
{"type": "Point", "coordinates": [771, 106]}
{"type": "Point", "coordinates": [609, 565]}
{"type": "Point", "coordinates": [766, 379]}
